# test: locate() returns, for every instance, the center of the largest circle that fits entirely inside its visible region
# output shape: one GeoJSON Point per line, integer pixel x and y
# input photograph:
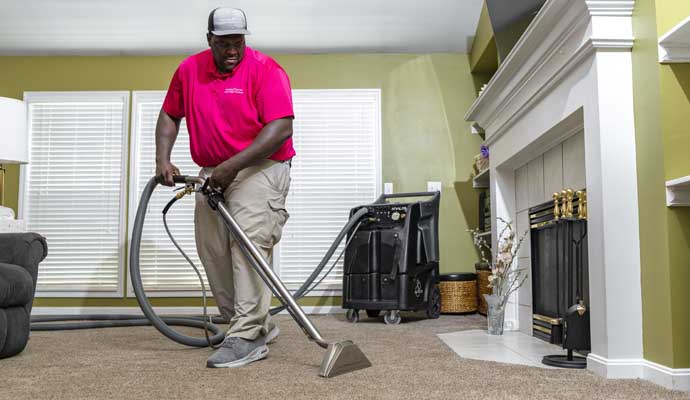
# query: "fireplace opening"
{"type": "Point", "coordinates": [560, 278]}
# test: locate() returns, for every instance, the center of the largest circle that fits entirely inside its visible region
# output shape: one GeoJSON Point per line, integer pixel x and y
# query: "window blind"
{"type": "Point", "coordinates": [337, 136]}
{"type": "Point", "coordinates": [73, 190]}
{"type": "Point", "coordinates": [337, 139]}
{"type": "Point", "coordinates": [163, 269]}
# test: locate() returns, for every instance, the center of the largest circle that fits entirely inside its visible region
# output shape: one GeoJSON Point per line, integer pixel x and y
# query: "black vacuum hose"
{"type": "Point", "coordinates": [138, 286]}
{"type": "Point", "coordinates": [40, 323]}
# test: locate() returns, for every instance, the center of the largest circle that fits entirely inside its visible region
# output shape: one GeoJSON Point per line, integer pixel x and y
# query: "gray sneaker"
{"type": "Point", "coordinates": [236, 352]}
{"type": "Point", "coordinates": [272, 335]}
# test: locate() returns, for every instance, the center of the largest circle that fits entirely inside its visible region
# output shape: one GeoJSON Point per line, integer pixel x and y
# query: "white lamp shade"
{"type": "Point", "coordinates": [14, 148]}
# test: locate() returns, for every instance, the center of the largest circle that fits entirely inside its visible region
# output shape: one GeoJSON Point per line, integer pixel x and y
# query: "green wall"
{"type": "Point", "coordinates": [662, 115]}
{"type": "Point", "coordinates": [484, 53]}
{"type": "Point", "coordinates": [424, 98]}
{"type": "Point", "coordinates": [483, 38]}
{"type": "Point", "coordinates": [675, 116]}
{"type": "Point", "coordinates": [656, 279]}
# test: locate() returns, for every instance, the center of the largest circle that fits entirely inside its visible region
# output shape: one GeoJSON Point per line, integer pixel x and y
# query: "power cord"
{"type": "Point", "coordinates": [198, 274]}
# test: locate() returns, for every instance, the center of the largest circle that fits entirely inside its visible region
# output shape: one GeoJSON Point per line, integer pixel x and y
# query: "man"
{"type": "Point", "coordinates": [238, 107]}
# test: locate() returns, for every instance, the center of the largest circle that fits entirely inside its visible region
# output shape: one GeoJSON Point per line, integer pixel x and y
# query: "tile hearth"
{"type": "Point", "coordinates": [510, 348]}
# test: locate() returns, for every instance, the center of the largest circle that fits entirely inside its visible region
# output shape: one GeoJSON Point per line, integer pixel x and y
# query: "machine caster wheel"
{"type": "Point", "coordinates": [433, 310]}
{"type": "Point", "coordinates": [392, 317]}
{"type": "Point", "coordinates": [352, 315]}
{"type": "Point", "coordinates": [373, 313]}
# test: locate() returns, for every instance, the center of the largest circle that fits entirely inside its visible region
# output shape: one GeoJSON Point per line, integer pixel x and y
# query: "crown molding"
{"type": "Point", "coordinates": [611, 8]}
{"type": "Point", "coordinates": [558, 40]}
{"type": "Point", "coordinates": [622, 44]}
{"type": "Point", "coordinates": [535, 46]}
{"type": "Point", "coordinates": [546, 82]}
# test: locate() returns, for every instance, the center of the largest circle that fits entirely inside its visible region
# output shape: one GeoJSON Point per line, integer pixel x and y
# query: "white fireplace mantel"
{"type": "Point", "coordinates": [572, 71]}
{"type": "Point", "coordinates": [549, 49]}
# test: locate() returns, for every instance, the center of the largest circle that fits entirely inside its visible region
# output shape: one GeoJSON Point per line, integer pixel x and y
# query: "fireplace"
{"type": "Point", "coordinates": [570, 72]}
{"type": "Point", "coordinates": [560, 276]}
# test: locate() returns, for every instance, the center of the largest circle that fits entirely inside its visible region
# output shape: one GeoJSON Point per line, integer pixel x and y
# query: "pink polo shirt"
{"type": "Point", "coordinates": [225, 112]}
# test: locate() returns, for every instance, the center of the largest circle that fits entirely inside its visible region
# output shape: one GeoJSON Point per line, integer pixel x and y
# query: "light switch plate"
{"type": "Point", "coordinates": [388, 188]}
{"type": "Point", "coordinates": [433, 186]}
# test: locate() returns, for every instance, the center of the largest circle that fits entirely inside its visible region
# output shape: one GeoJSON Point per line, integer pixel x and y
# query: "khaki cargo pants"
{"type": "Point", "coordinates": [256, 199]}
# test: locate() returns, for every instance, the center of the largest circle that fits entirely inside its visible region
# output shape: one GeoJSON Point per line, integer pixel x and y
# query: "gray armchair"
{"type": "Point", "coordinates": [20, 254]}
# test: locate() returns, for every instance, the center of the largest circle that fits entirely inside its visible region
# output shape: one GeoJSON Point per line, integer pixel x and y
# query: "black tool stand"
{"type": "Point", "coordinates": [565, 361]}
{"type": "Point", "coordinates": [575, 337]}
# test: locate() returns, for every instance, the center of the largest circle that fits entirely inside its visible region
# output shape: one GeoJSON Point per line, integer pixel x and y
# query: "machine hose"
{"type": "Point", "coordinates": [43, 323]}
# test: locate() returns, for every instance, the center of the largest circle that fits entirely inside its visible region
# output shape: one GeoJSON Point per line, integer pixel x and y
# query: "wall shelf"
{"type": "Point", "coordinates": [481, 181]}
{"type": "Point", "coordinates": [674, 45]}
{"type": "Point", "coordinates": [678, 192]}
{"type": "Point", "coordinates": [475, 129]}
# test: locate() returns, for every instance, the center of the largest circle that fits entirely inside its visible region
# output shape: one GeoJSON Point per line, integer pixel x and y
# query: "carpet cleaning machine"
{"type": "Point", "coordinates": [341, 357]}
{"type": "Point", "coordinates": [392, 262]}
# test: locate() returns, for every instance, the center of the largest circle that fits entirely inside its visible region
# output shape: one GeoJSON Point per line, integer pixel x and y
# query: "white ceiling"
{"type": "Point", "coordinates": [137, 27]}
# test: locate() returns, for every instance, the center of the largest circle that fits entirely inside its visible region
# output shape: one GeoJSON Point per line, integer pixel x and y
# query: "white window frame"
{"type": "Point", "coordinates": [143, 96]}
{"type": "Point", "coordinates": [337, 288]}
{"type": "Point", "coordinates": [139, 96]}
{"type": "Point", "coordinates": [34, 97]}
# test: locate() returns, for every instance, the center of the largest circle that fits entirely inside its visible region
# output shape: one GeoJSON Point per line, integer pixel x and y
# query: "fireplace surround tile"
{"type": "Point", "coordinates": [521, 189]}
{"type": "Point", "coordinates": [553, 171]}
{"type": "Point", "coordinates": [522, 226]}
{"type": "Point", "coordinates": [535, 178]}
{"type": "Point", "coordinates": [574, 162]}
{"type": "Point", "coordinates": [525, 291]}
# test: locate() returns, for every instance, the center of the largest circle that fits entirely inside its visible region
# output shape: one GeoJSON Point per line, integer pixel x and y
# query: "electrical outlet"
{"type": "Point", "coordinates": [433, 186]}
{"type": "Point", "coordinates": [388, 188]}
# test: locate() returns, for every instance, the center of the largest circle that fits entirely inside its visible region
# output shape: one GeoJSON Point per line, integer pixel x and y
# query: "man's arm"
{"type": "Point", "coordinates": [167, 128]}
{"type": "Point", "coordinates": [267, 142]}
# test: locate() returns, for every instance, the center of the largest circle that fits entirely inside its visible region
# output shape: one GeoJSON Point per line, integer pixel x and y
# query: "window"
{"type": "Point", "coordinates": [73, 191]}
{"type": "Point", "coordinates": [163, 270]}
{"type": "Point", "coordinates": [75, 185]}
{"type": "Point", "coordinates": [337, 135]}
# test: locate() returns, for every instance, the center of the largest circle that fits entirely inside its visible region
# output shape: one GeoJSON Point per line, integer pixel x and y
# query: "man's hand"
{"type": "Point", "coordinates": [165, 172]}
{"type": "Point", "coordinates": [222, 176]}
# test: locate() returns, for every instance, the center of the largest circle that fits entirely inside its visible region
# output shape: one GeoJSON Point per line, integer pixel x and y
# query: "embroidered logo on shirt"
{"type": "Point", "coordinates": [234, 91]}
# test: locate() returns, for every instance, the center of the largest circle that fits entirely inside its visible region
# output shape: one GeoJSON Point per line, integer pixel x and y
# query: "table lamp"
{"type": "Point", "coordinates": [14, 148]}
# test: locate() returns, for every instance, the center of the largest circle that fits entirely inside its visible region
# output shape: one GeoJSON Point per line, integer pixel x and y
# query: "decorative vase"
{"type": "Point", "coordinates": [495, 314]}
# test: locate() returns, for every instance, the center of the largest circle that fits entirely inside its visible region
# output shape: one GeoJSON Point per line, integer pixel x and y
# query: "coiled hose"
{"type": "Point", "coordinates": [44, 323]}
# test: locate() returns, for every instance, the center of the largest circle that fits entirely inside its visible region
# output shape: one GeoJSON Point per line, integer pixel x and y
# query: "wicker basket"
{"type": "Point", "coordinates": [458, 293]}
{"type": "Point", "coordinates": [482, 289]}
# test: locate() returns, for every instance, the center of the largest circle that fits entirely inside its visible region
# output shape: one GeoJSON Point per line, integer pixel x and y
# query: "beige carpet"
{"type": "Point", "coordinates": [409, 362]}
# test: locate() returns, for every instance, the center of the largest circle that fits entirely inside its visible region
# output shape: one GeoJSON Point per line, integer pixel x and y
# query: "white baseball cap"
{"type": "Point", "coordinates": [227, 21]}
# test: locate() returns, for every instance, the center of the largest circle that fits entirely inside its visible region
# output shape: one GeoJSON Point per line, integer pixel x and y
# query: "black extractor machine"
{"type": "Point", "coordinates": [392, 261]}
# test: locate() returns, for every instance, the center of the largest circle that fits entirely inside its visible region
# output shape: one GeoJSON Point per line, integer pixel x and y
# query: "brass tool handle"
{"type": "Point", "coordinates": [556, 207]}
{"type": "Point", "coordinates": [582, 207]}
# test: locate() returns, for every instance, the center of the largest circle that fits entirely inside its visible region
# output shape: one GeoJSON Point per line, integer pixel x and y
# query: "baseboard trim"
{"type": "Point", "coordinates": [621, 368]}
{"type": "Point", "coordinates": [313, 310]}
{"type": "Point", "coordinates": [670, 378]}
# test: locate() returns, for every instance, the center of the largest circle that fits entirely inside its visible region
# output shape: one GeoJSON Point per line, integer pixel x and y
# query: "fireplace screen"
{"type": "Point", "coordinates": [559, 262]}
